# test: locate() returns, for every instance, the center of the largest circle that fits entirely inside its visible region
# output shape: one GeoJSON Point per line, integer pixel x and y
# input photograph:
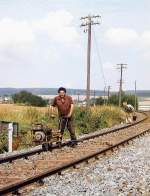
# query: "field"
{"type": "Point", "coordinates": [85, 121]}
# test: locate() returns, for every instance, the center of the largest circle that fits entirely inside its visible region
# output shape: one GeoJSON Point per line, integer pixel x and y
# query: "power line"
{"type": "Point", "coordinates": [99, 59]}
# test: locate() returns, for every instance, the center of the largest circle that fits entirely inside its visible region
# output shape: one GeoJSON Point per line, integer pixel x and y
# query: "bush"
{"type": "Point", "coordinates": [130, 99]}
{"type": "Point", "coordinates": [114, 100]}
{"type": "Point", "coordinates": [28, 99]}
{"type": "Point", "coordinates": [94, 118]}
{"type": "Point", "coordinates": [99, 101]}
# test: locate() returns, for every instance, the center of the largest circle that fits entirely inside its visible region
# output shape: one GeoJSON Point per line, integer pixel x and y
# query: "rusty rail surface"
{"type": "Point", "coordinates": [25, 155]}
{"type": "Point", "coordinates": [14, 187]}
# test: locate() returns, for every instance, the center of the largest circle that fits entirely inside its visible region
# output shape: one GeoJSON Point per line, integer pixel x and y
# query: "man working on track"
{"type": "Point", "coordinates": [129, 109]}
{"type": "Point", "coordinates": [65, 108]}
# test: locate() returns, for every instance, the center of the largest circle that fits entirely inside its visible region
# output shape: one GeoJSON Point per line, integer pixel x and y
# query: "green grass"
{"type": "Point", "coordinates": [89, 120]}
{"type": "Point", "coordinates": [85, 120]}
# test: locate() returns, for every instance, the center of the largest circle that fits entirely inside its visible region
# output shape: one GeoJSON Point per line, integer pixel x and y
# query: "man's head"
{"type": "Point", "coordinates": [61, 91]}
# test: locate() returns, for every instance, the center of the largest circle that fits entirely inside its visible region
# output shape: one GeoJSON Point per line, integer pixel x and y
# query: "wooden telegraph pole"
{"type": "Point", "coordinates": [105, 95]}
{"type": "Point", "coordinates": [135, 101]}
{"type": "Point", "coordinates": [87, 22]}
{"type": "Point", "coordinates": [108, 93]}
{"type": "Point", "coordinates": [121, 67]}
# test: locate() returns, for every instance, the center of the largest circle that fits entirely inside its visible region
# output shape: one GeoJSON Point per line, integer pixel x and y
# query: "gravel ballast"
{"type": "Point", "coordinates": [126, 172]}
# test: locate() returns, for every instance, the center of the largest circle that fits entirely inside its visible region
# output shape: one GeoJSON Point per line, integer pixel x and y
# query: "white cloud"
{"type": "Point", "coordinates": [21, 39]}
{"type": "Point", "coordinates": [126, 37]}
{"type": "Point", "coordinates": [121, 36]}
{"type": "Point", "coordinates": [146, 56]}
{"type": "Point", "coordinates": [14, 33]}
{"type": "Point", "coordinates": [16, 41]}
{"type": "Point", "coordinates": [59, 26]}
{"type": "Point", "coordinates": [109, 65]}
{"type": "Point", "coordinates": [145, 39]}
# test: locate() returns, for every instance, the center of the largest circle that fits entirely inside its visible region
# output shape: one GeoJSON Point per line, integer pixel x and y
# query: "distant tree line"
{"type": "Point", "coordinates": [28, 98]}
{"type": "Point", "coordinates": [114, 100]}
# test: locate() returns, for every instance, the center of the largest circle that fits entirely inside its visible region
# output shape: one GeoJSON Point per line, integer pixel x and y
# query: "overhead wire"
{"type": "Point", "coordinates": [99, 59]}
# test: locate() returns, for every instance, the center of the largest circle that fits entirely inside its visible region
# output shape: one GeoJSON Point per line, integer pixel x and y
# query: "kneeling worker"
{"type": "Point", "coordinates": [130, 112]}
{"type": "Point", "coordinates": [65, 107]}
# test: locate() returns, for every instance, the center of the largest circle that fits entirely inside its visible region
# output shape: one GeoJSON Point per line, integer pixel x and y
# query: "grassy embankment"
{"type": "Point", "coordinates": [85, 121]}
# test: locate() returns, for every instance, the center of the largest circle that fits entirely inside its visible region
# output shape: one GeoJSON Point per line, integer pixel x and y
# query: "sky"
{"type": "Point", "coordinates": [43, 45]}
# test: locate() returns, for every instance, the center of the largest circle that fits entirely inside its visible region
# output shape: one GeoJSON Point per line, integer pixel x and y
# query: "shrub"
{"type": "Point", "coordinates": [28, 99]}
{"type": "Point", "coordinates": [114, 100]}
{"type": "Point", "coordinates": [99, 101]}
{"type": "Point", "coordinates": [94, 118]}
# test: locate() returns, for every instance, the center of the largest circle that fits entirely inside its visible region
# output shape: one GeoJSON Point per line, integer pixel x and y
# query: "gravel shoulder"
{"type": "Point", "coordinates": [125, 173]}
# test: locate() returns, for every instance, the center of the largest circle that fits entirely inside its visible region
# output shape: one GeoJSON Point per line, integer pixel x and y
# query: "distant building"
{"type": "Point", "coordinates": [74, 97]}
{"type": "Point", "coordinates": [1, 99]}
{"type": "Point", "coordinates": [5, 99]}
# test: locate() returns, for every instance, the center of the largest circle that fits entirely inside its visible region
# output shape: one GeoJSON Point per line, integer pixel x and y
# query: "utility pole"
{"type": "Point", "coordinates": [87, 23]}
{"type": "Point", "coordinates": [135, 103]}
{"type": "Point", "coordinates": [121, 67]}
{"type": "Point", "coordinates": [94, 94]}
{"type": "Point", "coordinates": [109, 87]}
{"type": "Point", "coordinates": [78, 97]}
{"type": "Point", "coordinates": [105, 95]}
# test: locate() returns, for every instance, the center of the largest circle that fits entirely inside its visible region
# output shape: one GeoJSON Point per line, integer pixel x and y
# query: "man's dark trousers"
{"type": "Point", "coordinates": [67, 123]}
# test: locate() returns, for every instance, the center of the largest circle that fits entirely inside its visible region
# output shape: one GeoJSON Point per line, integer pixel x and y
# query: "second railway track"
{"type": "Point", "coordinates": [25, 172]}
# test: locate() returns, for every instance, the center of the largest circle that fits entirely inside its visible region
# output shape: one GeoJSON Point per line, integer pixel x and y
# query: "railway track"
{"type": "Point", "coordinates": [28, 153]}
{"type": "Point", "coordinates": [22, 173]}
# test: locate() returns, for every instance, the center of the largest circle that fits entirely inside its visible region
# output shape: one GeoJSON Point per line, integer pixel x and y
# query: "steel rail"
{"type": "Point", "coordinates": [25, 155]}
{"type": "Point", "coordinates": [16, 186]}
